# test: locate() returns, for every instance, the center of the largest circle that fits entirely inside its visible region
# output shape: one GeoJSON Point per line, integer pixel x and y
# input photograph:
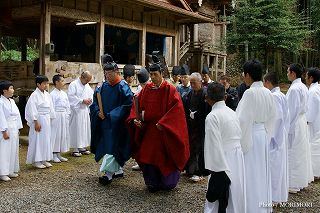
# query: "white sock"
{"type": "Point", "coordinates": [109, 175]}
{"type": "Point", "coordinates": [120, 171]}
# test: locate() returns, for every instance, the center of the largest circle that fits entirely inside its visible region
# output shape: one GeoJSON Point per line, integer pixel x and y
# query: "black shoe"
{"type": "Point", "coordinates": [117, 175]}
{"type": "Point", "coordinates": [104, 180]}
{"type": "Point", "coordinates": [152, 189]}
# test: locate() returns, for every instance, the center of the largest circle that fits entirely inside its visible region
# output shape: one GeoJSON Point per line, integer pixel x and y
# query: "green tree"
{"type": "Point", "coordinates": [268, 27]}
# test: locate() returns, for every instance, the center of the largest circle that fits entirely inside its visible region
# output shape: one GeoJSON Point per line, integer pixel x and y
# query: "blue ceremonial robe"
{"type": "Point", "coordinates": [110, 136]}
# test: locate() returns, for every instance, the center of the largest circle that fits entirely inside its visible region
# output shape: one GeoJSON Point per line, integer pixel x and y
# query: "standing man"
{"type": "Point", "coordinates": [313, 118]}
{"type": "Point", "coordinates": [223, 156]}
{"type": "Point", "coordinates": [184, 88]}
{"type": "Point", "coordinates": [111, 106]}
{"type": "Point", "coordinates": [80, 97]}
{"type": "Point", "coordinates": [159, 145]}
{"type": "Point", "coordinates": [279, 141]}
{"type": "Point", "coordinates": [128, 74]}
{"type": "Point", "coordinates": [196, 110]}
{"type": "Point", "coordinates": [175, 80]}
{"type": "Point", "coordinates": [256, 112]}
{"type": "Point", "coordinates": [299, 151]}
{"type": "Point", "coordinates": [232, 93]}
{"type": "Point", "coordinates": [205, 76]}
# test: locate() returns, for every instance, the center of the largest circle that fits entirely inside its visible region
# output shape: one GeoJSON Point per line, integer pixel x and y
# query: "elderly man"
{"type": "Point", "coordinates": [111, 106]}
{"type": "Point", "coordinates": [299, 156]}
{"type": "Point", "coordinates": [256, 112]}
{"type": "Point", "coordinates": [159, 145]}
{"type": "Point", "coordinates": [80, 98]}
{"type": "Point", "coordinates": [223, 156]}
{"type": "Point", "coordinates": [279, 141]}
{"type": "Point", "coordinates": [196, 110]}
{"type": "Point", "coordinates": [232, 98]}
{"type": "Point", "coordinates": [313, 118]}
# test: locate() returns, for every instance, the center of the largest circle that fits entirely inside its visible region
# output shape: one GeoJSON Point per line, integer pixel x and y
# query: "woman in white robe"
{"type": "Point", "coordinates": [10, 123]}
{"type": "Point", "coordinates": [313, 118]}
{"type": "Point", "coordinates": [256, 112]}
{"type": "Point", "coordinates": [80, 96]}
{"type": "Point", "coordinates": [60, 132]}
{"type": "Point", "coordinates": [222, 152]}
{"type": "Point", "coordinates": [39, 111]}
{"type": "Point", "coordinates": [299, 155]}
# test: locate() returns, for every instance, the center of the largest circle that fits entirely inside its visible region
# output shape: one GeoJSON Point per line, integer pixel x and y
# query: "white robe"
{"type": "Point", "coordinates": [256, 112]}
{"type": "Point", "coordinates": [313, 118]}
{"type": "Point", "coordinates": [279, 149]}
{"type": "Point", "coordinates": [222, 152]}
{"type": "Point", "coordinates": [299, 156]}
{"type": "Point", "coordinates": [80, 130]}
{"type": "Point", "coordinates": [39, 107]}
{"type": "Point", "coordinates": [10, 121]}
{"type": "Point", "coordinates": [60, 132]}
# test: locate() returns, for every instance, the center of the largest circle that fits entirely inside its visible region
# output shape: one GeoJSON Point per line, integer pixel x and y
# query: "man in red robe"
{"type": "Point", "coordinates": [159, 135]}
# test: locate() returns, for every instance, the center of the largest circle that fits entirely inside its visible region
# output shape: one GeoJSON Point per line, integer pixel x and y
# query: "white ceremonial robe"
{"type": "Point", "coordinates": [80, 130]}
{"type": "Point", "coordinates": [313, 118]}
{"type": "Point", "coordinates": [222, 152]}
{"type": "Point", "coordinates": [10, 121]}
{"type": "Point", "coordinates": [39, 107]}
{"type": "Point", "coordinates": [299, 155]}
{"type": "Point", "coordinates": [60, 131]}
{"type": "Point", "coordinates": [256, 112]}
{"type": "Point", "coordinates": [279, 149]}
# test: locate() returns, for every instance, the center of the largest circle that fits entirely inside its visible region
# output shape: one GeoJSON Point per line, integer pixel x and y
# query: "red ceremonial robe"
{"type": "Point", "coordinates": [167, 149]}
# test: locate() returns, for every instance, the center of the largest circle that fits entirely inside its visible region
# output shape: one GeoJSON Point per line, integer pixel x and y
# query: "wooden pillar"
{"type": "Point", "coordinates": [195, 32]}
{"type": "Point", "coordinates": [23, 49]}
{"type": "Point", "coordinates": [175, 47]}
{"type": "Point", "coordinates": [143, 42]}
{"type": "Point", "coordinates": [45, 30]}
{"type": "Point", "coordinates": [100, 35]}
{"type": "Point", "coordinates": [224, 64]}
{"type": "Point", "coordinates": [216, 63]}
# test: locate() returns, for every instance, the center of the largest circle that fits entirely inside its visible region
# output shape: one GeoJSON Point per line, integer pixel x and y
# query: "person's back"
{"type": "Point", "coordinates": [313, 118]}
{"type": "Point", "coordinates": [256, 112]}
{"type": "Point", "coordinates": [299, 155]}
{"type": "Point", "coordinates": [223, 156]}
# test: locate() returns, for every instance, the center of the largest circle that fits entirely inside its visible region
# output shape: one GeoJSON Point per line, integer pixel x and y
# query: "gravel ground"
{"type": "Point", "coordinates": [73, 187]}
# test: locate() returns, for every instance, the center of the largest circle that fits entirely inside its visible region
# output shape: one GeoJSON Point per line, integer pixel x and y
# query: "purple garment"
{"type": "Point", "coordinates": [153, 177]}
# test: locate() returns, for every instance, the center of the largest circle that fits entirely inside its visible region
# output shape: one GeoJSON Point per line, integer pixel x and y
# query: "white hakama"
{"type": "Point", "coordinates": [279, 149]}
{"type": "Point", "coordinates": [60, 131]}
{"type": "Point", "coordinates": [39, 107]}
{"type": "Point", "coordinates": [10, 120]}
{"type": "Point", "coordinates": [299, 155]}
{"type": "Point", "coordinates": [80, 129]}
{"type": "Point", "coordinates": [223, 152]}
{"type": "Point", "coordinates": [256, 112]}
{"type": "Point", "coordinates": [313, 118]}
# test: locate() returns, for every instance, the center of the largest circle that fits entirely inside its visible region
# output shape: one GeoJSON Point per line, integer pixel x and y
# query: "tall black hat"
{"type": "Point", "coordinates": [108, 63]}
{"type": "Point", "coordinates": [205, 69]}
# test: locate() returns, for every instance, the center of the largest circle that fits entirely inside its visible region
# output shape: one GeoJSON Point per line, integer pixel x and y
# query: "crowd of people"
{"type": "Point", "coordinates": [255, 143]}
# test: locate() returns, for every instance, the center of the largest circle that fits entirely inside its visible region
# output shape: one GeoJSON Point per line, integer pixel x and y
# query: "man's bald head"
{"type": "Point", "coordinates": [85, 77]}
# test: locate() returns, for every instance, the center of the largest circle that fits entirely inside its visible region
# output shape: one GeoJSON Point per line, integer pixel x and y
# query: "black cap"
{"type": "Point", "coordinates": [157, 65]}
{"type": "Point", "coordinates": [176, 70]}
{"type": "Point", "coordinates": [128, 70]}
{"type": "Point", "coordinates": [205, 69]}
{"type": "Point", "coordinates": [108, 63]}
{"type": "Point", "coordinates": [184, 71]}
{"type": "Point", "coordinates": [143, 75]}
{"type": "Point", "coordinates": [186, 68]}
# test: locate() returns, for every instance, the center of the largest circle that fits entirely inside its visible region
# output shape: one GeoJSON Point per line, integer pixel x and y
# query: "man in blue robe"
{"type": "Point", "coordinates": [111, 106]}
